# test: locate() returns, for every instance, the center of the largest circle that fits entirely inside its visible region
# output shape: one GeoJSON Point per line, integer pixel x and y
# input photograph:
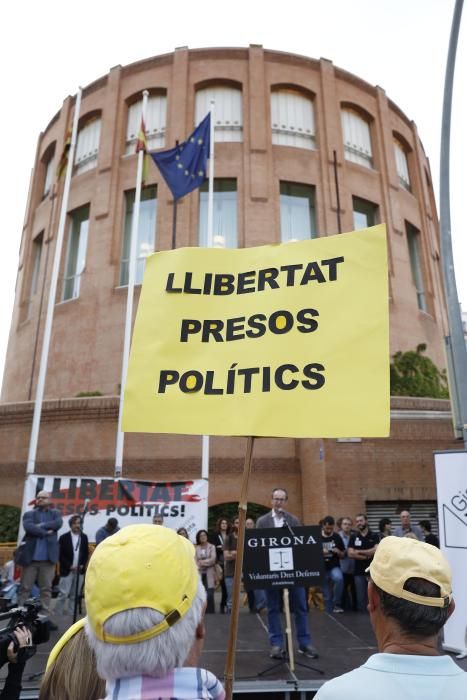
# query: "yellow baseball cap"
{"type": "Point", "coordinates": [141, 566]}
{"type": "Point", "coordinates": [399, 558]}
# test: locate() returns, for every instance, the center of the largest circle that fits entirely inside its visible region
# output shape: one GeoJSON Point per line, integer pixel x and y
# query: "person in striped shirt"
{"type": "Point", "coordinates": [145, 617]}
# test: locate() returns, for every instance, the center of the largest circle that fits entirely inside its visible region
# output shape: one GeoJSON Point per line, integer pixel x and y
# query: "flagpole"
{"type": "Point", "coordinates": [211, 179]}
{"type": "Point", "coordinates": [36, 419]}
{"type": "Point", "coordinates": [174, 225]}
{"type": "Point", "coordinates": [174, 219]}
{"type": "Point", "coordinates": [205, 439]}
{"type": "Point", "coordinates": [130, 295]}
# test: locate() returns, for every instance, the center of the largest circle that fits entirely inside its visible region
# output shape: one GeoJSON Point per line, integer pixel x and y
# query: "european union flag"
{"type": "Point", "coordinates": [184, 167]}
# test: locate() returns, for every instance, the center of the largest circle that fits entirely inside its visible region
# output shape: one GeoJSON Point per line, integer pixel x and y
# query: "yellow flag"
{"type": "Point", "coordinates": [286, 340]}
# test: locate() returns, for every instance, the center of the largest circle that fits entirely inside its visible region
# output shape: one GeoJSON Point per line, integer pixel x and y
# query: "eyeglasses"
{"type": "Point", "coordinates": [274, 498]}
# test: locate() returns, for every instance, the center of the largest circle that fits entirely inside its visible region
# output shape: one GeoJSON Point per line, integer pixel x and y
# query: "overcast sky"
{"type": "Point", "coordinates": [48, 49]}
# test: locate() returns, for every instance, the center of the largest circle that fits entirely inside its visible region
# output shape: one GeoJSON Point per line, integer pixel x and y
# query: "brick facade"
{"type": "Point", "coordinates": [78, 435]}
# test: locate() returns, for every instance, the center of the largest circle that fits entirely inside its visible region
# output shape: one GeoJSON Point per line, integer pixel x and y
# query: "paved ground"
{"type": "Point", "coordinates": [343, 641]}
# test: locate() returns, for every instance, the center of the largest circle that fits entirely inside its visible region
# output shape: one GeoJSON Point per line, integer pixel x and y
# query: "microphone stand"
{"type": "Point", "coordinates": [287, 524]}
{"type": "Point", "coordinates": [77, 601]}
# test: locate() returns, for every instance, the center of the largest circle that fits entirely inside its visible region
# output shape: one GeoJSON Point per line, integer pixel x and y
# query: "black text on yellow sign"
{"type": "Point", "coordinates": [255, 341]}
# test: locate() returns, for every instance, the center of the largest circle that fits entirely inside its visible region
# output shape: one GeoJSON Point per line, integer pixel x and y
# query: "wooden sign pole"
{"type": "Point", "coordinates": [242, 507]}
{"type": "Point", "coordinates": [288, 629]}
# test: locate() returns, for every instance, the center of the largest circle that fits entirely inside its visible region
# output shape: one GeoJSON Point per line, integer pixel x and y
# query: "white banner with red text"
{"type": "Point", "coordinates": [131, 501]}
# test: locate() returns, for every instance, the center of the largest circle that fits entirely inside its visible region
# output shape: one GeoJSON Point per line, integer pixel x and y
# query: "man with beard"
{"type": "Point", "coordinates": [74, 554]}
{"type": "Point", "coordinates": [38, 553]}
{"type": "Point", "coordinates": [348, 565]}
{"type": "Point", "coordinates": [362, 546]}
{"type": "Point", "coordinates": [333, 552]}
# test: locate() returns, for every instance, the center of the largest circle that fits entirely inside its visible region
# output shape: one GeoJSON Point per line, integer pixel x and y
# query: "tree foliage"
{"type": "Point", "coordinates": [230, 511]}
{"type": "Point", "coordinates": [413, 374]}
{"type": "Point", "coordinates": [9, 523]}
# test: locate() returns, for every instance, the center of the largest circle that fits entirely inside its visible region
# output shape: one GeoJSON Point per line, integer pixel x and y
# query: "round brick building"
{"type": "Point", "coordinates": [302, 149]}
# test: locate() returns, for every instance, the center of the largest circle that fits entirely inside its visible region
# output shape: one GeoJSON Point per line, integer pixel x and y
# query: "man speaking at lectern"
{"type": "Point", "coordinates": [278, 517]}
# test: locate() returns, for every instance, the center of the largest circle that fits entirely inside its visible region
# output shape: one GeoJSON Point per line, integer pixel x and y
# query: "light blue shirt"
{"type": "Point", "coordinates": [41, 550]}
{"type": "Point", "coordinates": [399, 677]}
{"type": "Point", "coordinates": [347, 564]}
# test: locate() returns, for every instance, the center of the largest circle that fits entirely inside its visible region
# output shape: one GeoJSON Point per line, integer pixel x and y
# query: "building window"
{"type": "Point", "coordinates": [49, 176]}
{"type": "Point", "coordinates": [413, 243]}
{"type": "Point", "coordinates": [76, 252]}
{"type": "Point", "coordinates": [297, 204]}
{"type": "Point", "coordinates": [365, 214]}
{"type": "Point", "coordinates": [146, 232]}
{"type": "Point", "coordinates": [357, 138]}
{"type": "Point", "coordinates": [37, 245]}
{"type": "Point", "coordinates": [402, 164]}
{"type": "Point", "coordinates": [224, 214]}
{"type": "Point", "coordinates": [292, 119]}
{"type": "Point", "coordinates": [155, 122]}
{"type": "Point", "coordinates": [228, 111]}
{"type": "Point", "coordinates": [87, 145]}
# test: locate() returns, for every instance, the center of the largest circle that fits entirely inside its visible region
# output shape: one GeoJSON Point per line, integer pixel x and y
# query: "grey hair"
{"type": "Point", "coordinates": [155, 657]}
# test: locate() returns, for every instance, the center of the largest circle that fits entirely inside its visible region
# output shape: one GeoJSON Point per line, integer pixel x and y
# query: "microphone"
{"type": "Point", "coordinates": [87, 501]}
{"type": "Point", "coordinates": [284, 518]}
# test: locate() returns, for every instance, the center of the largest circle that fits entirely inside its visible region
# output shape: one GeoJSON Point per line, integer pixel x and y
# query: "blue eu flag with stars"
{"type": "Point", "coordinates": [184, 167]}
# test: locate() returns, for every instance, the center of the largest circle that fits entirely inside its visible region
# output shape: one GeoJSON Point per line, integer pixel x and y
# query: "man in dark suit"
{"type": "Point", "coordinates": [38, 552]}
{"type": "Point", "coordinates": [74, 554]}
{"type": "Point", "coordinates": [278, 517]}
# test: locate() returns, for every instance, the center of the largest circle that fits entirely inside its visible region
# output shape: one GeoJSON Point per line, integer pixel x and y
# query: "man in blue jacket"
{"type": "Point", "coordinates": [38, 553]}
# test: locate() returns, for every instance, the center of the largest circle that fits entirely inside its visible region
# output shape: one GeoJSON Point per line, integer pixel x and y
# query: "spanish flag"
{"type": "Point", "coordinates": [142, 145]}
{"type": "Point", "coordinates": [64, 159]}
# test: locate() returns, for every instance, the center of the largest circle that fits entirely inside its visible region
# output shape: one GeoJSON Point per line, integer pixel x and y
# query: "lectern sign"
{"type": "Point", "coordinates": [283, 558]}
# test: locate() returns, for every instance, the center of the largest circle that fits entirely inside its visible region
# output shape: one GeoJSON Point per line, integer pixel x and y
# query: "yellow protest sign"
{"type": "Point", "coordinates": [279, 340]}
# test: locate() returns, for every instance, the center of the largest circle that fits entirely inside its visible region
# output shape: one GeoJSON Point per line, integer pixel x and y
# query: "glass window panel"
{"type": "Point", "coordinates": [413, 242]}
{"type": "Point", "coordinates": [402, 164]}
{"type": "Point", "coordinates": [224, 214]}
{"type": "Point", "coordinates": [297, 204]}
{"type": "Point", "coordinates": [365, 214]}
{"type": "Point", "coordinates": [156, 119]}
{"type": "Point", "coordinates": [76, 253]}
{"type": "Point", "coordinates": [48, 176]}
{"type": "Point", "coordinates": [37, 254]}
{"type": "Point", "coordinates": [228, 111]}
{"type": "Point", "coordinates": [146, 232]}
{"type": "Point", "coordinates": [357, 138]}
{"type": "Point", "coordinates": [87, 145]}
{"type": "Point", "coordinates": [292, 119]}
{"type": "Point", "coordinates": [36, 264]}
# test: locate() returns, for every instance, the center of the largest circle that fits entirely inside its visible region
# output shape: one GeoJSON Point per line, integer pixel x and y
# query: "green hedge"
{"type": "Point", "coordinates": [9, 523]}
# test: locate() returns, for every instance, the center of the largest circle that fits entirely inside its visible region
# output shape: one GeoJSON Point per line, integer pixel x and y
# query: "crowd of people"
{"type": "Point", "coordinates": [143, 632]}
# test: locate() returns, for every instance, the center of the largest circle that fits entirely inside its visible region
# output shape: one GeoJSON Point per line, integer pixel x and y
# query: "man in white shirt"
{"type": "Point", "coordinates": [410, 600]}
{"type": "Point", "coordinates": [73, 556]}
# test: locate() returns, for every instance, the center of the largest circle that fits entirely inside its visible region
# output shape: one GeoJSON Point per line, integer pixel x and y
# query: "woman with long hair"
{"type": "Point", "coordinates": [221, 532]}
{"type": "Point", "coordinates": [71, 669]}
{"type": "Point", "coordinates": [206, 561]}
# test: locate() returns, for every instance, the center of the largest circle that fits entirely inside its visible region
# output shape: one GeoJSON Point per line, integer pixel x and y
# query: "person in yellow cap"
{"type": "Point", "coordinates": [409, 601]}
{"type": "Point", "coordinates": [145, 616]}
